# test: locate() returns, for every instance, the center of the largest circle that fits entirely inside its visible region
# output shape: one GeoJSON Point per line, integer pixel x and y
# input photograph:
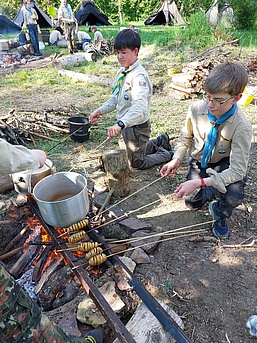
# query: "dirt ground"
{"type": "Point", "coordinates": [211, 285]}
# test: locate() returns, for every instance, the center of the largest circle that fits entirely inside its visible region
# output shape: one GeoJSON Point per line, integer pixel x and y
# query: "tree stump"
{"type": "Point", "coordinates": [116, 165]}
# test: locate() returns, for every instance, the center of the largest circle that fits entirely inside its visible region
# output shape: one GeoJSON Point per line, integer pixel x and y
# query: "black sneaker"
{"type": "Point", "coordinates": [95, 336]}
{"type": "Point", "coordinates": [164, 141]}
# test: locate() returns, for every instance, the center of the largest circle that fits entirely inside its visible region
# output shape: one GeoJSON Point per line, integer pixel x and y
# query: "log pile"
{"type": "Point", "coordinates": [23, 127]}
{"type": "Point", "coordinates": [189, 83]}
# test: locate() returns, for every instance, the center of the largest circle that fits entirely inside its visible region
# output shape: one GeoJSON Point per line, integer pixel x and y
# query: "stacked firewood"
{"type": "Point", "coordinates": [24, 127]}
{"type": "Point", "coordinates": [189, 83]}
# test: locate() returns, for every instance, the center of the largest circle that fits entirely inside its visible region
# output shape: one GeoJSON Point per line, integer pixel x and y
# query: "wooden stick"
{"type": "Point", "coordinates": [132, 240]}
{"type": "Point", "coordinates": [106, 202]}
{"type": "Point", "coordinates": [129, 196]}
{"type": "Point", "coordinates": [4, 222]}
{"type": "Point", "coordinates": [15, 240]}
{"type": "Point", "coordinates": [163, 240]}
{"type": "Point", "coordinates": [10, 253]}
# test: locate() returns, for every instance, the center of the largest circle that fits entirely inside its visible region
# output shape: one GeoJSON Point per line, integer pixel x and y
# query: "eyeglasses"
{"type": "Point", "coordinates": [216, 102]}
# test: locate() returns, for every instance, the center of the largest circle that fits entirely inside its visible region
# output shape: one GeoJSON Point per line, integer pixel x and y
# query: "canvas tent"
{"type": "Point", "coordinates": [88, 14]}
{"type": "Point", "coordinates": [220, 14]}
{"type": "Point", "coordinates": [7, 26]}
{"type": "Point", "coordinates": [43, 20]}
{"type": "Point", "coordinates": [167, 14]}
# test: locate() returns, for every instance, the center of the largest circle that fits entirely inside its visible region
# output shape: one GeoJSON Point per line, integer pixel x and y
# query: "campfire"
{"type": "Point", "coordinates": [53, 269]}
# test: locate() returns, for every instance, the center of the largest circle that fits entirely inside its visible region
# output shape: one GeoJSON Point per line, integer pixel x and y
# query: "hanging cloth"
{"type": "Point", "coordinates": [118, 84]}
{"type": "Point", "coordinates": [212, 135]}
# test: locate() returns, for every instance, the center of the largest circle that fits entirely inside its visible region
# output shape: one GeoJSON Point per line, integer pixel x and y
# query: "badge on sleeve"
{"type": "Point", "coordinates": [142, 83]}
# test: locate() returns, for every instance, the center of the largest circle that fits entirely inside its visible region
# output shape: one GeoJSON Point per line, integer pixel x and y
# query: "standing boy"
{"type": "Point", "coordinates": [66, 16]}
{"type": "Point", "coordinates": [217, 136]}
{"type": "Point", "coordinates": [131, 97]}
{"type": "Point", "coordinates": [30, 22]}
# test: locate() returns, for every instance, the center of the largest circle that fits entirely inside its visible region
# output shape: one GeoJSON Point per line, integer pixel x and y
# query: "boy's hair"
{"type": "Point", "coordinates": [227, 77]}
{"type": "Point", "coordinates": [127, 39]}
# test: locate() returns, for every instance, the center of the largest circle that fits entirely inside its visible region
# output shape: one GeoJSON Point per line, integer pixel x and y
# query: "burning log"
{"type": "Point", "coordinates": [25, 259]}
{"type": "Point", "coordinates": [15, 240]}
{"type": "Point", "coordinates": [117, 170]}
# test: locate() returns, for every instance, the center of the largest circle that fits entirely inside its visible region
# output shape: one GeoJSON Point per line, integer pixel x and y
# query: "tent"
{"type": "Point", "coordinates": [43, 20]}
{"type": "Point", "coordinates": [88, 14]}
{"type": "Point", "coordinates": [167, 14]}
{"type": "Point", "coordinates": [7, 26]}
{"type": "Point", "coordinates": [223, 14]}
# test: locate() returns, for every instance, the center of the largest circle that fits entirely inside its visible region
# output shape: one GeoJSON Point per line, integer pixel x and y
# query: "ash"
{"type": "Point", "coordinates": [27, 284]}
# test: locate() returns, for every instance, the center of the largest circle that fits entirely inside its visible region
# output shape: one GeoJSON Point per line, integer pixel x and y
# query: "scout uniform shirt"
{"type": "Point", "coordinates": [233, 139]}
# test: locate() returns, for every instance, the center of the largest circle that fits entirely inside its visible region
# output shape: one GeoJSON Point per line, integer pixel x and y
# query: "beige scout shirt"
{"type": "Point", "coordinates": [54, 36]}
{"type": "Point", "coordinates": [15, 158]}
{"type": "Point", "coordinates": [133, 101]}
{"type": "Point", "coordinates": [64, 13]}
{"type": "Point", "coordinates": [233, 139]}
{"type": "Point", "coordinates": [28, 18]}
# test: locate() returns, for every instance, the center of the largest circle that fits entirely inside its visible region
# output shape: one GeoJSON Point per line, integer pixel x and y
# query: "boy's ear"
{"type": "Point", "coordinates": [238, 97]}
{"type": "Point", "coordinates": [136, 51]}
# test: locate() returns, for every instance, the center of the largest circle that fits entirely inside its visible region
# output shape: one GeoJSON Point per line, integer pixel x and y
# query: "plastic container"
{"type": "Point", "coordinates": [79, 128]}
{"type": "Point", "coordinates": [252, 325]}
{"type": "Point", "coordinates": [247, 96]}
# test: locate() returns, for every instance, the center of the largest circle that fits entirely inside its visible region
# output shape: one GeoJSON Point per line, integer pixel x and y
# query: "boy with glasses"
{"type": "Point", "coordinates": [217, 136]}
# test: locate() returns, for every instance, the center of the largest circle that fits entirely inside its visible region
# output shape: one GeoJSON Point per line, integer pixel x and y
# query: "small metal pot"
{"type": "Point", "coordinates": [62, 198]}
{"type": "Point", "coordinates": [25, 181]}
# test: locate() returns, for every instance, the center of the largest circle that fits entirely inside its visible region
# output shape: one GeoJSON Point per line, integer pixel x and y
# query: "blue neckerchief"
{"type": "Point", "coordinates": [30, 10]}
{"type": "Point", "coordinates": [118, 84]}
{"type": "Point", "coordinates": [69, 11]}
{"type": "Point", "coordinates": [212, 135]}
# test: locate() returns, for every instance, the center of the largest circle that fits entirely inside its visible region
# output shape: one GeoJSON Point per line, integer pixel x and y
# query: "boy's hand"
{"type": "Point", "coordinates": [170, 168]}
{"type": "Point", "coordinates": [113, 131]}
{"type": "Point", "coordinates": [94, 116]}
{"type": "Point", "coordinates": [186, 188]}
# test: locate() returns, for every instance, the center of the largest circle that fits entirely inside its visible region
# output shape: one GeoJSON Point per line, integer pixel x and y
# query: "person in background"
{"type": "Point", "coordinates": [217, 137]}
{"type": "Point", "coordinates": [17, 157]}
{"type": "Point", "coordinates": [56, 36]}
{"type": "Point", "coordinates": [83, 37]}
{"type": "Point", "coordinates": [131, 98]}
{"type": "Point", "coordinates": [30, 22]}
{"type": "Point", "coordinates": [70, 23]}
{"type": "Point", "coordinates": [52, 11]}
{"type": "Point", "coordinates": [98, 37]}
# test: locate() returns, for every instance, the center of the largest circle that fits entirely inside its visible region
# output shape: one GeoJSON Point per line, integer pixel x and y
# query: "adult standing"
{"type": "Point", "coordinates": [66, 16]}
{"type": "Point", "coordinates": [30, 22]}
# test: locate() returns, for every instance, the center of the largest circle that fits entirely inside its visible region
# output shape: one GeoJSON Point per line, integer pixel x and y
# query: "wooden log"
{"type": "Point", "coordinates": [117, 170]}
{"type": "Point", "coordinates": [87, 78]}
{"type": "Point", "coordinates": [74, 60]}
{"type": "Point", "coordinates": [6, 183]}
{"type": "Point", "coordinates": [182, 89]}
{"type": "Point", "coordinates": [15, 240]}
{"type": "Point", "coordinates": [10, 253]}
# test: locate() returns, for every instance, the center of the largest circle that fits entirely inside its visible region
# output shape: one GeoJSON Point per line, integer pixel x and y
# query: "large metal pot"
{"type": "Point", "coordinates": [62, 198]}
{"type": "Point", "coordinates": [25, 181]}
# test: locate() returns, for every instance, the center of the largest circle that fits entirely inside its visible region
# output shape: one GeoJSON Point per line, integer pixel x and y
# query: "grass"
{"type": "Point", "coordinates": [164, 49]}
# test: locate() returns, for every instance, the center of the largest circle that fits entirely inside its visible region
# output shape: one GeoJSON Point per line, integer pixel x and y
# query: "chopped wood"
{"type": "Point", "coordinates": [15, 240]}
{"type": "Point", "coordinates": [47, 274]}
{"type": "Point", "coordinates": [10, 253]}
{"type": "Point", "coordinates": [26, 126]}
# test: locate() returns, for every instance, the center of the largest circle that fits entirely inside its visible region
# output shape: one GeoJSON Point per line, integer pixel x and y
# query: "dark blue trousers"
{"type": "Point", "coordinates": [33, 33]}
{"type": "Point", "coordinates": [227, 201]}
